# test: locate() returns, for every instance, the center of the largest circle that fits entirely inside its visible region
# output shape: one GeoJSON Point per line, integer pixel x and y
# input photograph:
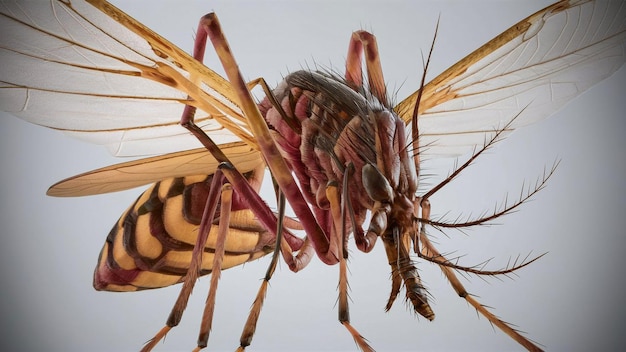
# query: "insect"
{"type": "Point", "coordinates": [474, 235]}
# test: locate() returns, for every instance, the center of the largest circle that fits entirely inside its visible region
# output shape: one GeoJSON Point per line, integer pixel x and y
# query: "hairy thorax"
{"type": "Point", "coordinates": [326, 129]}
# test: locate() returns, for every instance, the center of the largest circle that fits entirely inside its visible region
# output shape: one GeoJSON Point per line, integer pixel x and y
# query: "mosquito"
{"type": "Point", "coordinates": [379, 231]}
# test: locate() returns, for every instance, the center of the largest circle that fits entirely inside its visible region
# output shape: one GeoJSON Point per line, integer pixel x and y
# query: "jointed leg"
{"type": "Point", "coordinates": [209, 27]}
{"type": "Point", "coordinates": [337, 207]}
{"type": "Point", "coordinates": [216, 270]}
{"type": "Point", "coordinates": [364, 42]}
{"type": "Point", "coordinates": [277, 165]}
{"type": "Point", "coordinates": [196, 262]}
{"type": "Point", "coordinates": [255, 311]}
{"type": "Point", "coordinates": [262, 212]}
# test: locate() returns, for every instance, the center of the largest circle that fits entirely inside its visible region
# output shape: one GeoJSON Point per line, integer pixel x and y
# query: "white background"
{"type": "Point", "coordinates": [570, 300]}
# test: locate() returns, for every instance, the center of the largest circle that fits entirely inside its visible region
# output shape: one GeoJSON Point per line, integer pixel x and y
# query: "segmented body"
{"type": "Point", "coordinates": [325, 127]}
{"type": "Point", "coordinates": [151, 244]}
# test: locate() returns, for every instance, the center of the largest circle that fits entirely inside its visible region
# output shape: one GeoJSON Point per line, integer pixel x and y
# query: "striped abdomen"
{"type": "Point", "coordinates": [151, 244]}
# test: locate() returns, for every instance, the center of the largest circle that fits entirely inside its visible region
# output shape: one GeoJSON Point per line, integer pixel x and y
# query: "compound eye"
{"type": "Point", "coordinates": [376, 185]}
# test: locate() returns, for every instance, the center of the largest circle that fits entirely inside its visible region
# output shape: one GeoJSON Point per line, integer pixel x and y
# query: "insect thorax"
{"type": "Point", "coordinates": [323, 127]}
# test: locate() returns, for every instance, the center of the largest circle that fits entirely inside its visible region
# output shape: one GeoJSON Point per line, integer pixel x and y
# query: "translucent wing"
{"type": "Point", "coordinates": [98, 75]}
{"type": "Point", "coordinates": [124, 87]}
{"type": "Point", "coordinates": [532, 69]}
{"type": "Point", "coordinates": [149, 170]}
{"type": "Point", "coordinates": [79, 69]}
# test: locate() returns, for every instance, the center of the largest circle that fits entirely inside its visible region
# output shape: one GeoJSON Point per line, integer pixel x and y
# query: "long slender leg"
{"type": "Point", "coordinates": [196, 262]}
{"type": "Point", "coordinates": [429, 250]}
{"type": "Point", "coordinates": [364, 42]}
{"type": "Point", "coordinates": [216, 269]}
{"type": "Point", "coordinates": [262, 212]}
{"type": "Point", "coordinates": [323, 247]}
{"type": "Point", "coordinates": [305, 253]}
{"type": "Point", "coordinates": [255, 311]}
{"type": "Point", "coordinates": [339, 234]}
{"type": "Point", "coordinates": [239, 183]}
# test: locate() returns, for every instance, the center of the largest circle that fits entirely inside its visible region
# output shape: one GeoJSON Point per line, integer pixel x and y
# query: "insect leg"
{"type": "Point", "coordinates": [195, 264]}
{"type": "Point", "coordinates": [216, 269]}
{"type": "Point", "coordinates": [262, 211]}
{"type": "Point", "coordinates": [429, 250]}
{"type": "Point", "coordinates": [320, 240]}
{"type": "Point", "coordinates": [255, 311]}
{"type": "Point", "coordinates": [364, 42]}
{"type": "Point", "coordinates": [305, 253]}
{"type": "Point", "coordinates": [240, 185]}
{"type": "Point", "coordinates": [291, 121]}
{"type": "Point", "coordinates": [337, 208]}
{"type": "Point", "coordinates": [354, 68]}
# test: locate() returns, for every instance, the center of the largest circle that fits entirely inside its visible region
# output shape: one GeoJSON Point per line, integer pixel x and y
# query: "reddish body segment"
{"type": "Point", "coordinates": [336, 126]}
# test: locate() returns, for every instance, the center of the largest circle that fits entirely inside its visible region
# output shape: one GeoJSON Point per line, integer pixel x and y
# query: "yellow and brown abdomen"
{"type": "Point", "coordinates": [151, 244]}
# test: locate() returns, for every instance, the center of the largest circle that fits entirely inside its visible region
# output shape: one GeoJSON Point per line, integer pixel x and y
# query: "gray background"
{"type": "Point", "coordinates": [571, 300]}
